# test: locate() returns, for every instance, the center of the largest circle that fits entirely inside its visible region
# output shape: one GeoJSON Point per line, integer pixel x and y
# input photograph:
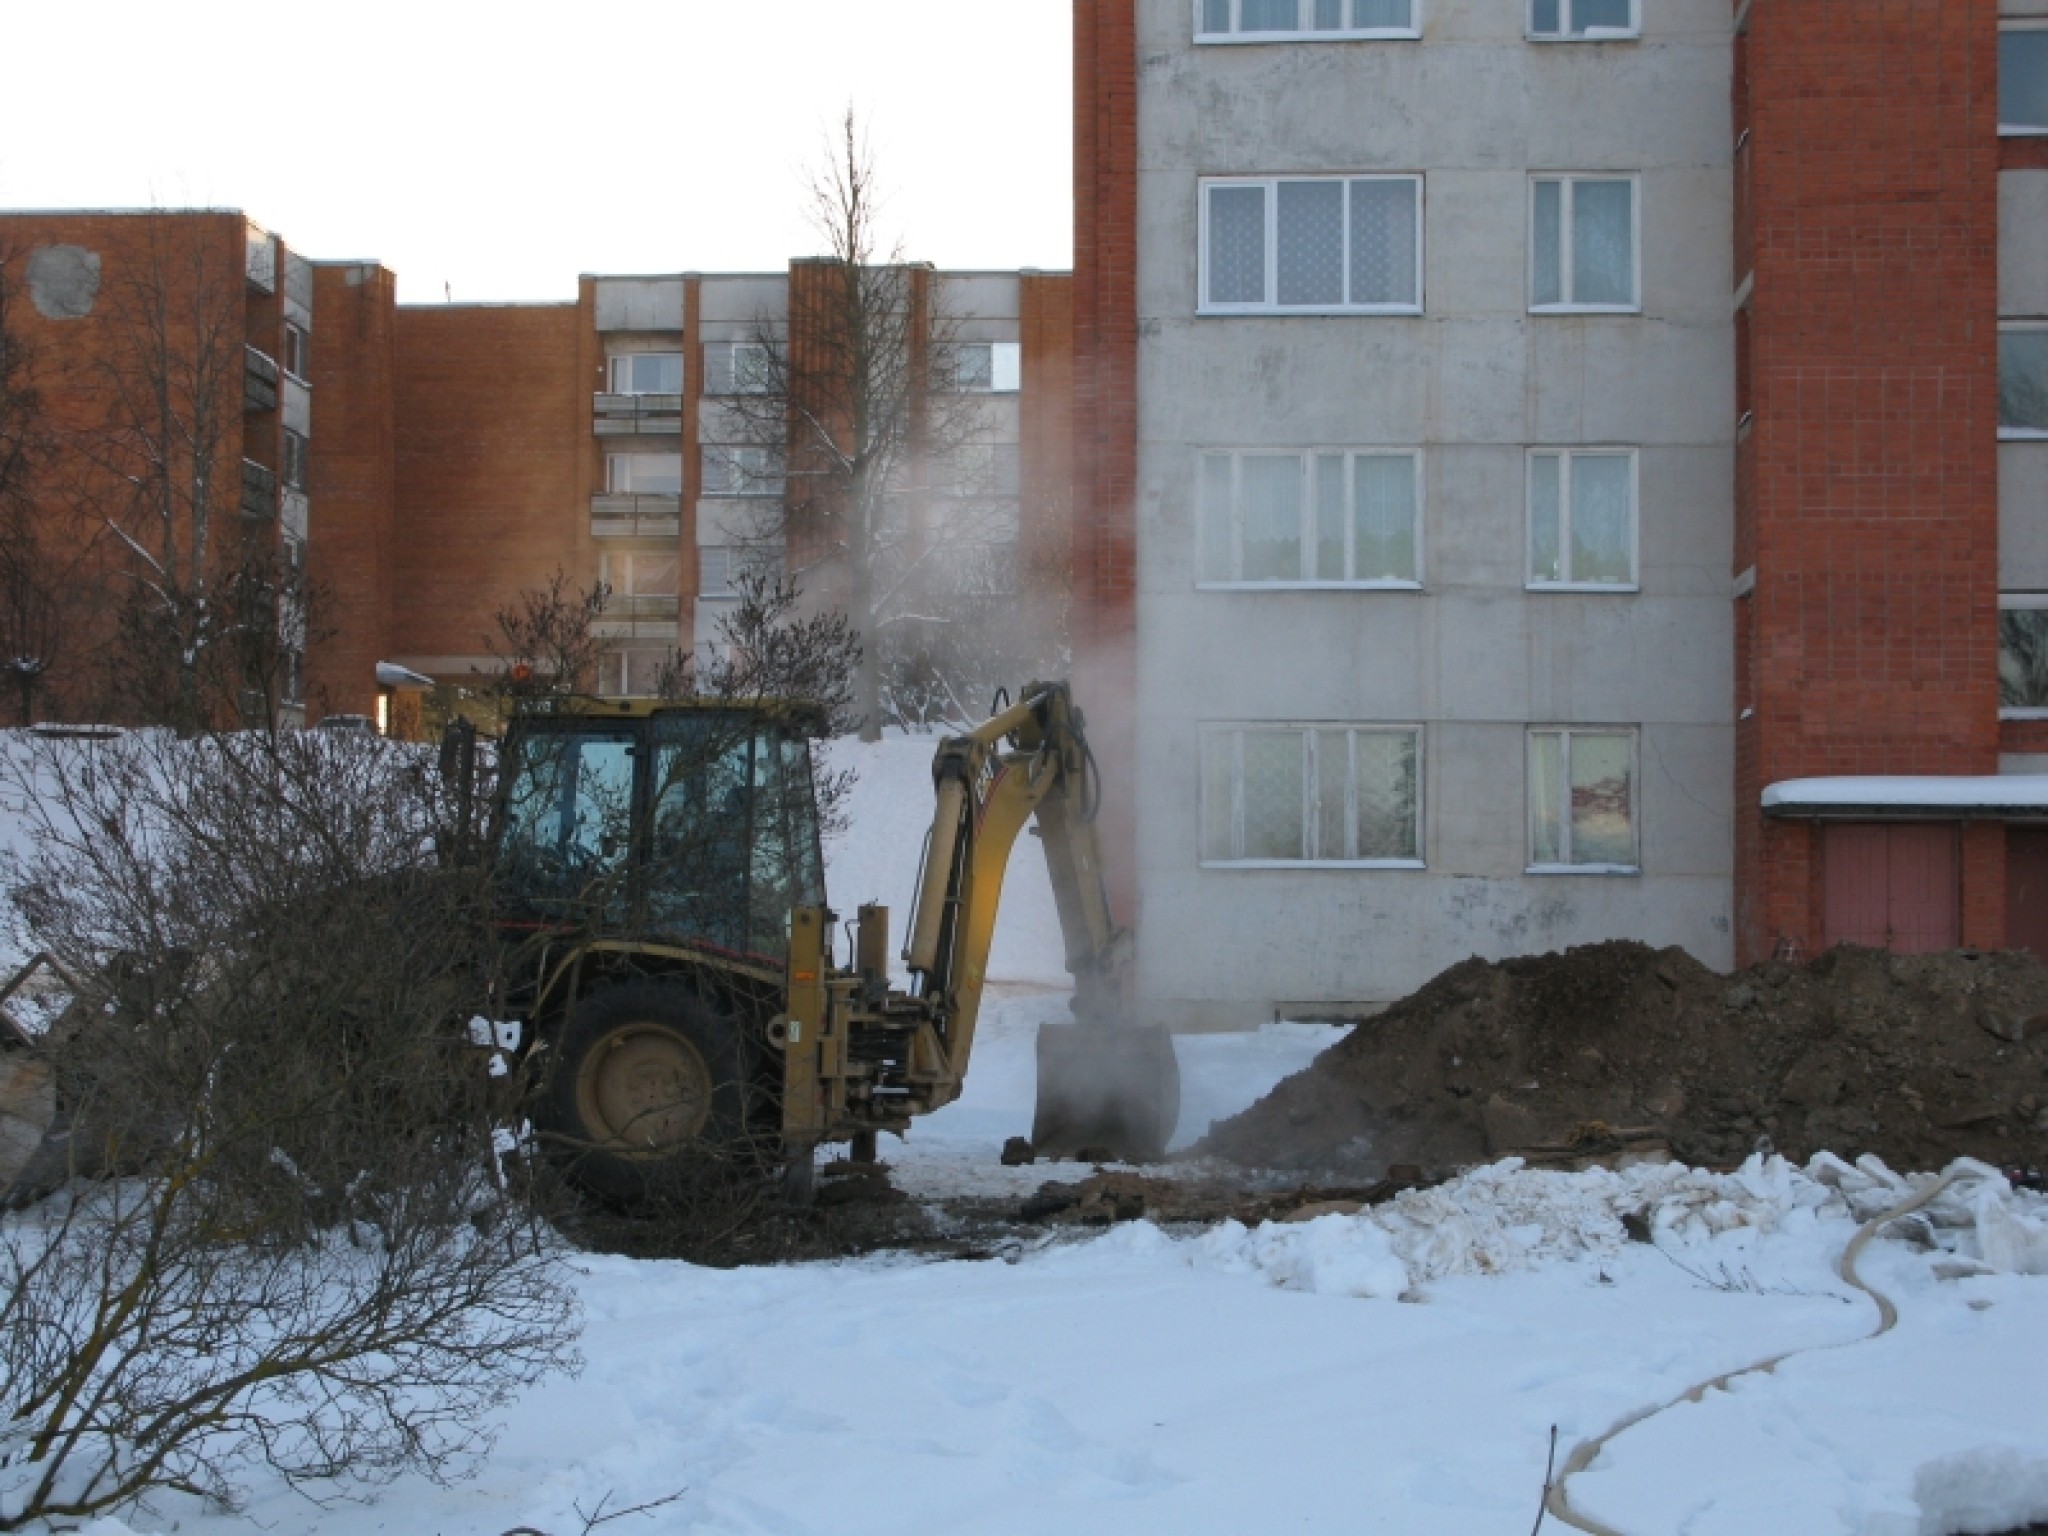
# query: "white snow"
{"type": "Point", "coordinates": [1994, 792]}
{"type": "Point", "coordinates": [1397, 1372]}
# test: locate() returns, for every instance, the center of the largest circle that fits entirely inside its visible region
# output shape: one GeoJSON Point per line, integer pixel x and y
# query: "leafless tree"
{"type": "Point", "coordinates": [546, 640]}
{"type": "Point", "coordinates": [857, 397]}
{"type": "Point", "coordinates": [313, 1254]}
{"type": "Point", "coordinates": [163, 487]}
{"type": "Point", "coordinates": [34, 575]}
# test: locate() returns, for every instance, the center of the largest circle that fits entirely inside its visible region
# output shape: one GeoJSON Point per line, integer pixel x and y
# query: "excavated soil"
{"type": "Point", "coordinates": [1616, 1049]}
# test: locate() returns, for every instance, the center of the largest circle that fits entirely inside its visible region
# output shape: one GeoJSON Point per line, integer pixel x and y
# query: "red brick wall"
{"type": "Point", "coordinates": [493, 489]}
{"type": "Point", "coordinates": [1872, 205]}
{"type": "Point", "coordinates": [352, 535]}
{"type": "Point", "coordinates": [1105, 540]}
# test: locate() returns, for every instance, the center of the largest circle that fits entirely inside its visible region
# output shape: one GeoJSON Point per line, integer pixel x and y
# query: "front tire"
{"type": "Point", "coordinates": [645, 1081]}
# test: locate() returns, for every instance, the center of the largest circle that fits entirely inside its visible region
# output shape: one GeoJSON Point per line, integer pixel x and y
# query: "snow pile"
{"type": "Point", "coordinates": [1504, 1218]}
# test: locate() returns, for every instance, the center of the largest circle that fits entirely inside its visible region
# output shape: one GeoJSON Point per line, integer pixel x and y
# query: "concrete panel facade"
{"type": "Point", "coordinates": [1475, 657]}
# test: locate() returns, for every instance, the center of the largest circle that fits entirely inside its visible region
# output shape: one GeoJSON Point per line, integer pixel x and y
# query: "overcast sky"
{"type": "Point", "coordinates": [500, 150]}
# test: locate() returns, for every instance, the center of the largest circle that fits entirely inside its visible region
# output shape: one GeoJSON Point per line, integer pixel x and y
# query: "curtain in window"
{"type": "Point", "coordinates": [2023, 380]}
{"type": "Point", "coordinates": [1271, 487]}
{"type": "Point", "coordinates": [1546, 832]}
{"type": "Point", "coordinates": [1603, 242]}
{"type": "Point", "coordinates": [1330, 517]}
{"type": "Point", "coordinates": [1546, 547]}
{"type": "Point", "coordinates": [1600, 517]}
{"type": "Point", "coordinates": [1311, 255]}
{"type": "Point", "coordinates": [1219, 539]}
{"type": "Point", "coordinates": [1383, 242]}
{"type": "Point", "coordinates": [1333, 800]}
{"type": "Point", "coordinates": [1384, 493]}
{"type": "Point", "coordinates": [2023, 79]}
{"type": "Point", "coordinates": [2023, 658]}
{"type": "Point", "coordinates": [1273, 794]}
{"type": "Point", "coordinates": [1386, 782]}
{"type": "Point", "coordinates": [1219, 798]}
{"type": "Point", "coordinates": [1603, 830]}
{"type": "Point", "coordinates": [1272, 15]}
{"type": "Point", "coordinates": [1237, 245]}
{"type": "Point", "coordinates": [1547, 279]}
{"type": "Point", "coordinates": [1399, 14]}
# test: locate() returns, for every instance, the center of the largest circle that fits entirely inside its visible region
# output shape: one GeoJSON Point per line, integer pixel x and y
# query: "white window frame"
{"type": "Point", "coordinates": [1307, 456]}
{"type": "Point", "coordinates": [1003, 380]}
{"type": "Point", "coordinates": [1564, 514]}
{"type": "Point", "coordinates": [727, 592]}
{"type": "Point", "coordinates": [2021, 130]}
{"type": "Point", "coordinates": [738, 347]}
{"type": "Point", "coordinates": [2022, 602]}
{"type": "Point", "coordinates": [304, 349]}
{"type": "Point", "coordinates": [2020, 434]}
{"type": "Point", "coordinates": [778, 478]}
{"type": "Point", "coordinates": [1570, 181]}
{"type": "Point", "coordinates": [1635, 808]}
{"type": "Point", "coordinates": [294, 462]}
{"type": "Point", "coordinates": [1307, 33]}
{"type": "Point", "coordinates": [1631, 33]}
{"type": "Point", "coordinates": [1270, 304]}
{"type": "Point", "coordinates": [1311, 791]}
{"type": "Point", "coordinates": [615, 359]}
{"type": "Point", "coordinates": [613, 461]}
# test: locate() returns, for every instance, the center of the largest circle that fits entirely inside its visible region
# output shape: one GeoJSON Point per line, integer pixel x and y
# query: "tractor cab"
{"type": "Point", "coordinates": [690, 824]}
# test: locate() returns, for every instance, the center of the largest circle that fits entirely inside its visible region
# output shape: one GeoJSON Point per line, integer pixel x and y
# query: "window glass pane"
{"type": "Point", "coordinates": [1383, 241]}
{"type": "Point", "coordinates": [1006, 366]}
{"type": "Point", "coordinates": [652, 575]}
{"type": "Point", "coordinates": [2023, 79]}
{"type": "Point", "coordinates": [1271, 488]}
{"type": "Point", "coordinates": [1603, 242]}
{"type": "Point", "coordinates": [648, 373]}
{"type": "Point", "coordinates": [1333, 814]}
{"type": "Point", "coordinates": [1548, 237]}
{"type": "Point", "coordinates": [1271, 15]}
{"type": "Point", "coordinates": [753, 371]}
{"type": "Point", "coordinates": [1546, 561]}
{"type": "Point", "coordinates": [1311, 255]}
{"type": "Point", "coordinates": [714, 571]}
{"type": "Point", "coordinates": [1387, 786]}
{"type": "Point", "coordinates": [1215, 15]}
{"type": "Point", "coordinates": [1601, 484]}
{"type": "Point", "coordinates": [2023, 380]}
{"type": "Point", "coordinates": [645, 474]}
{"type": "Point", "coordinates": [1330, 517]}
{"type": "Point", "coordinates": [1273, 794]}
{"type": "Point", "coordinates": [1544, 16]}
{"type": "Point", "coordinates": [1219, 771]}
{"type": "Point", "coordinates": [1603, 827]}
{"type": "Point", "coordinates": [2023, 658]}
{"type": "Point", "coordinates": [1546, 834]}
{"type": "Point", "coordinates": [1329, 15]}
{"type": "Point", "coordinates": [973, 366]}
{"type": "Point", "coordinates": [1237, 245]}
{"type": "Point", "coordinates": [1385, 508]}
{"type": "Point", "coordinates": [1217, 539]}
{"type": "Point", "coordinates": [1611, 14]}
{"type": "Point", "coordinates": [1398, 15]}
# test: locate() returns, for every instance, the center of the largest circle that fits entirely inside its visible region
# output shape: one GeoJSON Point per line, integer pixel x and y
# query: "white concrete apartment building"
{"type": "Point", "coordinates": [1433, 487]}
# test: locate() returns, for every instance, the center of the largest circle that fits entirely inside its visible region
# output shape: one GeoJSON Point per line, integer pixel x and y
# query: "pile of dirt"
{"type": "Point", "coordinates": [1618, 1047]}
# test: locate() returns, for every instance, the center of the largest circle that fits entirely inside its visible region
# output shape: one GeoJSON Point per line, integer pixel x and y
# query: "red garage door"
{"type": "Point", "coordinates": [1891, 887]}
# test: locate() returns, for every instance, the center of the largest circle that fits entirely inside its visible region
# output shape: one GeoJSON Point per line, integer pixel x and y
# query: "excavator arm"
{"type": "Point", "coordinates": [1104, 1084]}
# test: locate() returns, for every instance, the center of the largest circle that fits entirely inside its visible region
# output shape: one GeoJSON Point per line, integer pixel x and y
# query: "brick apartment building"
{"type": "Point", "coordinates": [1554, 470]}
{"type": "Point", "coordinates": [465, 453]}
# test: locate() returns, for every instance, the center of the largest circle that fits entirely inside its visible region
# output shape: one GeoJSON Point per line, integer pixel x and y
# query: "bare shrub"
{"type": "Point", "coordinates": [308, 1250]}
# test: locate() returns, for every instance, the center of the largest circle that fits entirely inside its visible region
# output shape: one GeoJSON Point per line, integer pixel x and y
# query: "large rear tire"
{"type": "Point", "coordinates": [646, 1083]}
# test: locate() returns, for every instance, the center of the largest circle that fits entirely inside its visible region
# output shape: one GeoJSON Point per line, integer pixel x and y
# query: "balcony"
{"type": "Point", "coordinates": [259, 490]}
{"type": "Point", "coordinates": [259, 381]}
{"type": "Point", "coordinates": [640, 607]}
{"type": "Point", "coordinates": [638, 618]}
{"type": "Point", "coordinates": [636, 517]}
{"type": "Point", "coordinates": [637, 415]}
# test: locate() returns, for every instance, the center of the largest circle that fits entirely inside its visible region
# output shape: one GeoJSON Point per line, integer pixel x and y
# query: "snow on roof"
{"type": "Point", "coordinates": [2006, 793]}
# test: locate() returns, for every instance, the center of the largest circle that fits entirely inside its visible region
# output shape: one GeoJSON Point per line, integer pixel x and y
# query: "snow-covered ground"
{"type": "Point", "coordinates": [1396, 1372]}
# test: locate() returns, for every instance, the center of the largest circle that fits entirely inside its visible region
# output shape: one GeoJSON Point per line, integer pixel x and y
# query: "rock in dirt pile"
{"type": "Point", "coordinates": [1610, 1047]}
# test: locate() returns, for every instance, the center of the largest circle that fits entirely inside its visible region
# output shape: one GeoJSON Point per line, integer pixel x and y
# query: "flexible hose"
{"type": "Point", "coordinates": [1556, 1500]}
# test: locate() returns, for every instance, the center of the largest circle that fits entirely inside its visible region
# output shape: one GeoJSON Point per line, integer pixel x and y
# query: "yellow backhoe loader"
{"type": "Point", "coordinates": [675, 983]}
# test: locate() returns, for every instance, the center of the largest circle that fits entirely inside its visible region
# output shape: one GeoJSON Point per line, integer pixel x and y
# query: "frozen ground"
{"type": "Point", "coordinates": [1396, 1372]}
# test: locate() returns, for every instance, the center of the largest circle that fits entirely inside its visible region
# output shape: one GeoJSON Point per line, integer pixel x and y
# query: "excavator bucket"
{"type": "Point", "coordinates": [1108, 1093]}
